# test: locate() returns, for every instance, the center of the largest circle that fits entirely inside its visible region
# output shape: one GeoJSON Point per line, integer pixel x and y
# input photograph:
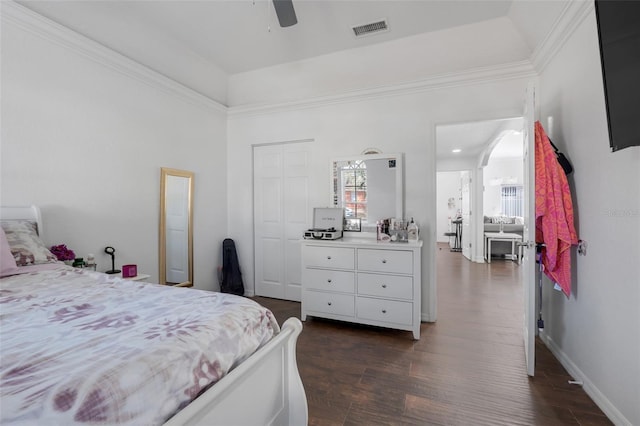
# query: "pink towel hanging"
{"type": "Point", "coordinates": [554, 213]}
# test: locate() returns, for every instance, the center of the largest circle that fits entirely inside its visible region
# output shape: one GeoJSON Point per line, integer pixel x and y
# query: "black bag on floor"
{"type": "Point", "coordinates": [231, 275]}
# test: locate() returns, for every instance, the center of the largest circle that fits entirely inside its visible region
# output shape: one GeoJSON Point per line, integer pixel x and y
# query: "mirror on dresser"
{"type": "Point", "coordinates": [369, 187]}
{"type": "Point", "coordinates": [176, 227]}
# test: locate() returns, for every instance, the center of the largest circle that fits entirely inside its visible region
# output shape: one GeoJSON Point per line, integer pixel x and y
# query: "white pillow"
{"type": "Point", "coordinates": [26, 247]}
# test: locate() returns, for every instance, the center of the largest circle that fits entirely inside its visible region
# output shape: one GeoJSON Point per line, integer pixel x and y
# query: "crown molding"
{"type": "Point", "coordinates": [34, 23]}
{"type": "Point", "coordinates": [569, 20]}
{"type": "Point", "coordinates": [482, 75]}
{"type": "Point", "coordinates": [571, 17]}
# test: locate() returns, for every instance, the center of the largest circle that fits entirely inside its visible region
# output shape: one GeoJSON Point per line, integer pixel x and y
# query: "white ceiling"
{"type": "Point", "coordinates": [234, 34]}
{"type": "Point", "coordinates": [209, 39]}
{"type": "Point", "coordinates": [502, 139]}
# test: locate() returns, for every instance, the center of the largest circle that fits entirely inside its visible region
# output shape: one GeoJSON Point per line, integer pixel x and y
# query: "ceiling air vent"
{"type": "Point", "coordinates": [374, 27]}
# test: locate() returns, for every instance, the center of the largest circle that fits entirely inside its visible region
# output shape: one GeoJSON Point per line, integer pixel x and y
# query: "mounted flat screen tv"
{"type": "Point", "coordinates": [619, 36]}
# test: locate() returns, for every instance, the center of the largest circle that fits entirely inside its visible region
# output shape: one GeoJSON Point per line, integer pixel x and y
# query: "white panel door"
{"type": "Point", "coordinates": [281, 215]}
{"type": "Point", "coordinates": [528, 266]}
{"type": "Point", "coordinates": [296, 214]}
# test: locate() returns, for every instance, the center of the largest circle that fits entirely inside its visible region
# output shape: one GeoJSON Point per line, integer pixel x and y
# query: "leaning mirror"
{"type": "Point", "coordinates": [368, 187]}
{"type": "Point", "coordinates": [176, 227]}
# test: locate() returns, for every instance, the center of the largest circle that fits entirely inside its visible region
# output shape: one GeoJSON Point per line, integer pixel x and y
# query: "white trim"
{"type": "Point", "coordinates": [571, 17]}
{"type": "Point", "coordinates": [253, 145]}
{"type": "Point", "coordinates": [27, 20]}
{"type": "Point", "coordinates": [596, 395]}
{"type": "Point", "coordinates": [569, 20]}
{"type": "Point", "coordinates": [503, 72]}
{"type": "Point", "coordinates": [425, 317]}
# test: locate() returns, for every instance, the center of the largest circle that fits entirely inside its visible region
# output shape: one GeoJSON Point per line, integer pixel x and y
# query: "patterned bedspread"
{"type": "Point", "coordinates": [81, 347]}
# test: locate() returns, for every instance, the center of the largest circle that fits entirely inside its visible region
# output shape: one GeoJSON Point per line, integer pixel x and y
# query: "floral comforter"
{"type": "Point", "coordinates": [82, 347]}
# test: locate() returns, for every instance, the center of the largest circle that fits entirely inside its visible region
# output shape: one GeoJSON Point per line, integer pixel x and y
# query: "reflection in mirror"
{"type": "Point", "coordinates": [176, 227]}
{"type": "Point", "coordinates": [368, 187]}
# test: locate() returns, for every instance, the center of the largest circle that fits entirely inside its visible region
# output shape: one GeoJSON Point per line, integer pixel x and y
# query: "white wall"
{"type": "Point", "coordinates": [392, 123]}
{"type": "Point", "coordinates": [596, 331]}
{"type": "Point", "coordinates": [499, 171]}
{"type": "Point", "coordinates": [448, 186]}
{"type": "Point", "coordinates": [85, 142]}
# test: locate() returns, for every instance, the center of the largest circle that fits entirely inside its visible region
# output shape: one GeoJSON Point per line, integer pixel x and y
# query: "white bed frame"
{"type": "Point", "coordinates": [266, 389]}
{"type": "Point", "coordinates": [23, 212]}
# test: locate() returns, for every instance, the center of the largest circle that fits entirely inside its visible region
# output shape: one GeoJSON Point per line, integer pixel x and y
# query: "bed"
{"type": "Point", "coordinates": [83, 347]}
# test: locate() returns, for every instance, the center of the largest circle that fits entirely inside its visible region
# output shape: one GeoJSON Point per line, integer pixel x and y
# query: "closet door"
{"type": "Point", "coordinates": [281, 215]}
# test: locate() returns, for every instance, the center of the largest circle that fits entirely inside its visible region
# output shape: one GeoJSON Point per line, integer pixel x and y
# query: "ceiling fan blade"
{"type": "Point", "coordinates": [286, 13]}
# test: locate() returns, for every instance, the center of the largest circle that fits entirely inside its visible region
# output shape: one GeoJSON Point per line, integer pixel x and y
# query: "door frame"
{"type": "Point", "coordinates": [529, 320]}
{"type": "Point", "coordinates": [287, 292]}
{"type": "Point", "coordinates": [528, 264]}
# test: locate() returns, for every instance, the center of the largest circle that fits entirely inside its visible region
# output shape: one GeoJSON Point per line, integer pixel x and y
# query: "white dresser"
{"type": "Point", "coordinates": [363, 281]}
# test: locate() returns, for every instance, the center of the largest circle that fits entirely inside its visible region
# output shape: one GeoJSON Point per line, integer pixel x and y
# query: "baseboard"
{"type": "Point", "coordinates": [598, 397]}
{"type": "Point", "coordinates": [426, 318]}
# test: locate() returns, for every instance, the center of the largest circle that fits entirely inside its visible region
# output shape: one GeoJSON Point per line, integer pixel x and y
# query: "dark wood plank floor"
{"type": "Point", "coordinates": [467, 369]}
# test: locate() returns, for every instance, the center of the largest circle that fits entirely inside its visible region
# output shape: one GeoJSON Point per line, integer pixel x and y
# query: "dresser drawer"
{"type": "Point", "coordinates": [400, 262]}
{"type": "Point", "coordinates": [329, 257]}
{"type": "Point", "coordinates": [329, 280]}
{"type": "Point", "coordinates": [328, 303]}
{"type": "Point", "coordinates": [388, 286]}
{"type": "Point", "coordinates": [390, 311]}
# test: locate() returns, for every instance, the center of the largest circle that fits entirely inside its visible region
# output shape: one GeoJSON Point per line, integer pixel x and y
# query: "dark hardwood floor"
{"type": "Point", "coordinates": [467, 368]}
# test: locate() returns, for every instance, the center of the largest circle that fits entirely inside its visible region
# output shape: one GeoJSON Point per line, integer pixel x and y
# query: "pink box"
{"type": "Point", "coordinates": [129, 271]}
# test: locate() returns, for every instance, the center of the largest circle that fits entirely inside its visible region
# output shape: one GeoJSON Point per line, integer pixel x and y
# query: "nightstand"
{"type": "Point", "coordinates": [139, 277]}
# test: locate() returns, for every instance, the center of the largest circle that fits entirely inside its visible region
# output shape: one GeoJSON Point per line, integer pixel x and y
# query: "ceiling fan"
{"type": "Point", "coordinates": [285, 12]}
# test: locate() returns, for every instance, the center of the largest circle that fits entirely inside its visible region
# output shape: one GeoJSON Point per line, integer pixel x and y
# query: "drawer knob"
{"type": "Point", "coordinates": [384, 260]}
{"type": "Point", "coordinates": [328, 257]}
{"type": "Point", "coordinates": [384, 311]}
{"type": "Point", "coordinates": [384, 286]}
{"type": "Point", "coordinates": [329, 303]}
{"type": "Point", "coordinates": [329, 280]}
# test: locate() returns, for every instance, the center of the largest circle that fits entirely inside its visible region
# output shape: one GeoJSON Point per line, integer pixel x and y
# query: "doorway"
{"type": "Point", "coordinates": [467, 148]}
{"type": "Point", "coordinates": [475, 156]}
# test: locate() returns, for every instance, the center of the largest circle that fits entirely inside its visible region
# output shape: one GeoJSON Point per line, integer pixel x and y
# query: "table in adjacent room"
{"type": "Point", "coordinates": [490, 237]}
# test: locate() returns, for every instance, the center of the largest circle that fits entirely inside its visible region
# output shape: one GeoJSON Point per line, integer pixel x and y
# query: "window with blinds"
{"type": "Point", "coordinates": [511, 200]}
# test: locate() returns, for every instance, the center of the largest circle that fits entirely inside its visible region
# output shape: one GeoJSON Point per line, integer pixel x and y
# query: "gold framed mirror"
{"type": "Point", "coordinates": [176, 227]}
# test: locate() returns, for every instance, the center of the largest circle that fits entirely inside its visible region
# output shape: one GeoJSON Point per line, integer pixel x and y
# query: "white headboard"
{"type": "Point", "coordinates": [22, 212]}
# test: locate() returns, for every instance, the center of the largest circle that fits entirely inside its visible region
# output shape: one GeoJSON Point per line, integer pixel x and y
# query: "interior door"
{"type": "Point", "coordinates": [528, 266]}
{"type": "Point", "coordinates": [281, 215]}
{"type": "Point", "coordinates": [268, 220]}
{"type": "Point", "coordinates": [465, 207]}
{"type": "Point", "coordinates": [297, 214]}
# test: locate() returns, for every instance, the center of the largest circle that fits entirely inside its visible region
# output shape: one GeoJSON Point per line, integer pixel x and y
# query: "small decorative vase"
{"type": "Point", "coordinates": [502, 227]}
